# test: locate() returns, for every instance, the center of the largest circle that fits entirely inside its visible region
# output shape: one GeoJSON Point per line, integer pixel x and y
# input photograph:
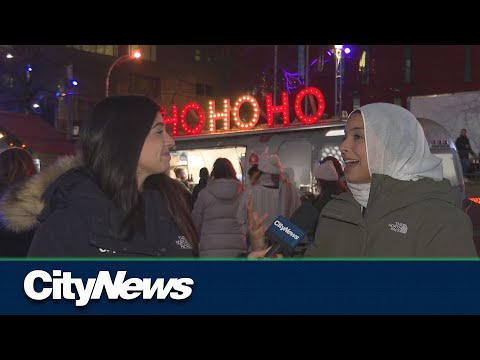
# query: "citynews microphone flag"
{"type": "Point", "coordinates": [239, 287]}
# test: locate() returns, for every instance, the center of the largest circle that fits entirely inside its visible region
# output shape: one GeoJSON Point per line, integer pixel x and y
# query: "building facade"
{"type": "Point", "coordinates": [42, 75]}
{"type": "Point", "coordinates": [62, 82]}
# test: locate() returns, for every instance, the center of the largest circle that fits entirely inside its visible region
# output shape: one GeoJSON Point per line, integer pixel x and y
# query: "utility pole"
{"type": "Point", "coordinates": [70, 104]}
{"type": "Point", "coordinates": [338, 51]}
{"type": "Point", "coordinates": [275, 65]}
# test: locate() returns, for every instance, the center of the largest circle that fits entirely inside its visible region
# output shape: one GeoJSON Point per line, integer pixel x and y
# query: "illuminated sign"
{"type": "Point", "coordinates": [224, 113]}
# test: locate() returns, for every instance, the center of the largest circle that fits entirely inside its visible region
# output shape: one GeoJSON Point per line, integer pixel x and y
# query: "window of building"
{"type": "Point", "coordinates": [208, 90]}
{"type": "Point", "coordinates": [407, 70]}
{"type": "Point", "coordinates": [83, 107]}
{"type": "Point", "coordinates": [197, 55]}
{"type": "Point", "coordinates": [468, 74]}
{"type": "Point", "coordinates": [79, 106]}
{"type": "Point", "coordinates": [149, 52]}
{"type": "Point", "coordinates": [111, 50]}
{"type": "Point", "coordinates": [202, 89]}
{"type": "Point", "coordinates": [144, 85]}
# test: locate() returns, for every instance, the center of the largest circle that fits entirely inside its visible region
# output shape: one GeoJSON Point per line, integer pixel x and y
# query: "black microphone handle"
{"type": "Point", "coordinates": [273, 250]}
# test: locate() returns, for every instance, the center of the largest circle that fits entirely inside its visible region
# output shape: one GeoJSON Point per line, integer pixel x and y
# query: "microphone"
{"type": "Point", "coordinates": [288, 234]}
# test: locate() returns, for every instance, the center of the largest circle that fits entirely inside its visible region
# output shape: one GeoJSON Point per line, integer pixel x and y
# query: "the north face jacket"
{"type": "Point", "coordinates": [406, 219]}
{"type": "Point", "coordinates": [72, 217]}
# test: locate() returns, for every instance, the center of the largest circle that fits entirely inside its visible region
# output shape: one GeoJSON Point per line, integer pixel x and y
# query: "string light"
{"type": "Point", "coordinates": [11, 140]}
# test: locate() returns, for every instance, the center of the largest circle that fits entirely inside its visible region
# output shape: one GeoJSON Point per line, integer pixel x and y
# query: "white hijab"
{"type": "Point", "coordinates": [396, 146]}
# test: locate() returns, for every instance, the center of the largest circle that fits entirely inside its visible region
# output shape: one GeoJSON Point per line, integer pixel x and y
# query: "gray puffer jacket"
{"type": "Point", "coordinates": [214, 216]}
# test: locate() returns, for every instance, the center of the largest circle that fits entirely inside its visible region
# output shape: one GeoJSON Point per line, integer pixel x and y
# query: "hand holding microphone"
{"type": "Point", "coordinates": [284, 234]}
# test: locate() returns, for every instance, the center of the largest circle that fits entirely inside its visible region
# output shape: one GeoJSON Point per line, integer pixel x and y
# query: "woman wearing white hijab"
{"type": "Point", "coordinates": [399, 204]}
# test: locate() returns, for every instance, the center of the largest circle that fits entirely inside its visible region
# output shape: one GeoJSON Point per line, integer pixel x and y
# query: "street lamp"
{"type": "Point", "coordinates": [120, 60]}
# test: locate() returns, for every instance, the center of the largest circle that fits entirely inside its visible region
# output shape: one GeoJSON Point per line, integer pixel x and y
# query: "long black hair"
{"type": "Point", "coordinates": [111, 142]}
{"type": "Point", "coordinates": [179, 205]}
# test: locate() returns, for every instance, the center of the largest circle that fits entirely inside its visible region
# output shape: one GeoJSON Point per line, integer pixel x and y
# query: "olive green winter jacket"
{"type": "Point", "coordinates": [403, 219]}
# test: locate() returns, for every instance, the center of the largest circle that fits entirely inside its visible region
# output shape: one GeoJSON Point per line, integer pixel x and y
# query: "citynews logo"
{"type": "Point", "coordinates": [61, 285]}
{"type": "Point", "coordinates": [285, 229]}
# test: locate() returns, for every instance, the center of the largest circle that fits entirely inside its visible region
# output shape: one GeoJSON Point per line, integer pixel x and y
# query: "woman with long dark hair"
{"type": "Point", "coordinates": [114, 198]}
{"type": "Point", "coordinates": [215, 213]}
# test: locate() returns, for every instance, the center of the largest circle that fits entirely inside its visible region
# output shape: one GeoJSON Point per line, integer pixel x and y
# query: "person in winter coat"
{"type": "Point", "coordinates": [204, 175]}
{"type": "Point", "coordinates": [214, 213]}
{"type": "Point", "coordinates": [399, 204]}
{"type": "Point", "coordinates": [272, 194]}
{"type": "Point", "coordinates": [464, 150]}
{"type": "Point", "coordinates": [113, 199]}
{"type": "Point", "coordinates": [330, 180]}
{"type": "Point", "coordinates": [253, 174]}
{"type": "Point", "coordinates": [16, 166]}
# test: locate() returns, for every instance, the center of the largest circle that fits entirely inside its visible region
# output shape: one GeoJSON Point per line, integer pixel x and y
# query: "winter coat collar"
{"type": "Point", "coordinates": [22, 205]}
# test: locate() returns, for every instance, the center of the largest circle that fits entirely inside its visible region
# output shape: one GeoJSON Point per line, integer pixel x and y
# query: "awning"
{"type": "Point", "coordinates": [35, 133]}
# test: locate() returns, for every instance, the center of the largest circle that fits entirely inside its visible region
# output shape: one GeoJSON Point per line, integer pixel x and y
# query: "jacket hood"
{"type": "Point", "coordinates": [224, 188]}
{"type": "Point", "coordinates": [21, 205]}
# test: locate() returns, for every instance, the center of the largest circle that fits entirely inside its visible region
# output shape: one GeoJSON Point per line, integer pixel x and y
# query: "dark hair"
{"type": "Point", "coordinates": [177, 171]}
{"type": "Point", "coordinates": [111, 142]}
{"type": "Point", "coordinates": [223, 168]}
{"type": "Point", "coordinates": [337, 186]}
{"type": "Point", "coordinates": [16, 164]}
{"type": "Point", "coordinates": [203, 174]}
{"type": "Point", "coordinates": [253, 170]}
{"type": "Point", "coordinates": [178, 203]}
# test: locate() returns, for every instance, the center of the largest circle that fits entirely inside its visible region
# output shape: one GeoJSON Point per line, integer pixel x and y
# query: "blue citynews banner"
{"type": "Point", "coordinates": [239, 287]}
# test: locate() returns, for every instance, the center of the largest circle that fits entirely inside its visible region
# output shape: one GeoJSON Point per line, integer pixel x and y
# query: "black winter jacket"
{"type": "Point", "coordinates": [72, 217]}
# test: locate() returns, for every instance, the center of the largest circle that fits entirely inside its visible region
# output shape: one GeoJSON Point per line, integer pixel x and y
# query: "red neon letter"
{"type": "Point", "coordinates": [170, 120]}
{"type": "Point", "coordinates": [271, 109]}
{"type": "Point", "coordinates": [225, 115]}
{"type": "Point", "coordinates": [201, 118]}
{"type": "Point", "coordinates": [236, 112]}
{"type": "Point", "coordinates": [320, 105]}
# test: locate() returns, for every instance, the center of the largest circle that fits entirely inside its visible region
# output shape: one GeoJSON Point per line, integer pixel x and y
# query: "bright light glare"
{"type": "Point", "coordinates": [335, 133]}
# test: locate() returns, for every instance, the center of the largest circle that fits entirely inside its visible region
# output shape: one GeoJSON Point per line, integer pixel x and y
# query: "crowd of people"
{"type": "Point", "coordinates": [390, 199]}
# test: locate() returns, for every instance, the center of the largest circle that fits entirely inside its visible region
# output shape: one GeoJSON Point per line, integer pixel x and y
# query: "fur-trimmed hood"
{"type": "Point", "coordinates": [21, 205]}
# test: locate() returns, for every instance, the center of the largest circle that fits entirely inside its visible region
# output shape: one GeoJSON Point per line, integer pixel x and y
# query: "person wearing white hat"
{"type": "Point", "coordinates": [330, 181]}
{"type": "Point", "coordinates": [272, 194]}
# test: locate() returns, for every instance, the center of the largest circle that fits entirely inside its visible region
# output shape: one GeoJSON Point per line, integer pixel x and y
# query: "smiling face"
{"type": "Point", "coordinates": [155, 156]}
{"type": "Point", "coordinates": [354, 151]}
